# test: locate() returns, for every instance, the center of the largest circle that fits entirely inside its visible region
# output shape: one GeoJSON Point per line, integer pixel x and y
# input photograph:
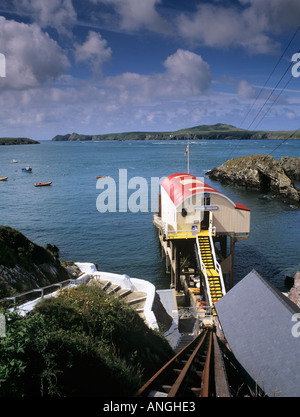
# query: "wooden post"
{"type": "Point", "coordinates": [177, 270]}
{"type": "Point", "coordinates": [223, 245]}
{"type": "Point", "coordinates": [173, 282]}
{"type": "Point", "coordinates": [232, 248]}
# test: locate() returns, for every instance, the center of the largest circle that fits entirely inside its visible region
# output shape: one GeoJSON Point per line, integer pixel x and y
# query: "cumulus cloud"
{"type": "Point", "coordinates": [186, 75]}
{"type": "Point", "coordinates": [138, 14]}
{"type": "Point", "coordinates": [276, 15]}
{"type": "Point", "coordinates": [220, 26]}
{"type": "Point", "coordinates": [59, 14]}
{"type": "Point", "coordinates": [32, 57]}
{"type": "Point", "coordinates": [116, 102]}
{"type": "Point", "coordinates": [94, 51]}
{"type": "Point", "coordinates": [245, 90]}
{"type": "Point", "coordinates": [188, 71]}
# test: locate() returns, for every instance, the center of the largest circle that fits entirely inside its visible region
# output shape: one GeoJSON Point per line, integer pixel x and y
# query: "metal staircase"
{"type": "Point", "coordinates": [210, 268]}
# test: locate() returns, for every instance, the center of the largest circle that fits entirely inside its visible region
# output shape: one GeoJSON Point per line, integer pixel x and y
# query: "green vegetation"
{"type": "Point", "coordinates": [81, 343]}
{"type": "Point", "coordinates": [18, 141]}
{"type": "Point", "coordinates": [217, 131]}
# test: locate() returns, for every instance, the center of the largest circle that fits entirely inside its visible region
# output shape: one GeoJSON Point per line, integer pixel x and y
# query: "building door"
{"type": "Point", "coordinates": [205, 221]}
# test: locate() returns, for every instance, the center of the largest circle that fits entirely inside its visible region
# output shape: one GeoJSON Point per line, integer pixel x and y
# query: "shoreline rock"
{"type": "Point", "coordinates": [294, 293]}
{"type": "Point", "coordinates": [261, 172]}
{"type": "Point", "coordinates": [25, 265]}
{"type": "Point", "coordinates": [291, 167]}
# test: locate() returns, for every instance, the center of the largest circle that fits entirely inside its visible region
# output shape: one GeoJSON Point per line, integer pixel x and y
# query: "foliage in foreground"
{"type": "Point", "coordinates": [81, 343]}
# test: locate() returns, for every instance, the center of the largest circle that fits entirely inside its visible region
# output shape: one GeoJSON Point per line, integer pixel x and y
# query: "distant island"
{"type": "Point", "coordinates": [216, 131]}
{"type": "Point", "coordinates": [18, 141]}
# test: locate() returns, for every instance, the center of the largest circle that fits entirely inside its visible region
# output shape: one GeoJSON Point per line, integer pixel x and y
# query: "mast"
{"type": "Point", "coordinates": [188, 157]}
{"type": "Point", "coordinates": [187, 152]}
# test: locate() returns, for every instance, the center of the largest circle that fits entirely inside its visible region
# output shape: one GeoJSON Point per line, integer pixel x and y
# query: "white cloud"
{"type": "Point", "coordinates": [275, 15]}
{"type": "Point", "coordinates": [59, 14]}
{"type": "Point", "coordinates": [119, 103]}
{"type": "Point", "coordinates": [32, 57]}
{"type": "Point", "coordinates": [93, 51]}
{"type": "Point", "coordinates": [220, 26]}
{"type": "Point", "coordinates": [186, 75]}
{"type": "Point", "coordinates": [245, 90]}
{"type": "Point", "coordinates": [290, 114]}
{"type": "Point", "coordinates": [188, 72]}
{"type": "Point", "coordinates": [138, 14]}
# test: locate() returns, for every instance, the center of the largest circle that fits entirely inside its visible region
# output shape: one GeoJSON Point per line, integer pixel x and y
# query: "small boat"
{"type": "Point", "coordinates": [43, 184]}
{"type": "Point", "coordinates": [102, 176]}
{"type": "Point", "coordinates": [27, 169]}
{"type": "Point", "coordinates": [3, 178]}
{"type": "Point", "coordinates": [14, 161]}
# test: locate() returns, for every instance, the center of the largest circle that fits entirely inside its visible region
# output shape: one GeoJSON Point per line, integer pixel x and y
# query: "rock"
{"type": "Point", "coordinates": [288, 282]}
{"type": "Point", "coordinates": [294, 293]}
{"type": "Point", "coordinates": [291, 167]}
{"type": "Point", "coordinates": [259, 172]}
{"type": "Point", "coordinates": [25, 265]}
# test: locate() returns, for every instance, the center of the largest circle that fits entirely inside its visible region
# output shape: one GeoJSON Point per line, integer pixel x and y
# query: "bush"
{"type": "Point", "coordinates": [81, 343]}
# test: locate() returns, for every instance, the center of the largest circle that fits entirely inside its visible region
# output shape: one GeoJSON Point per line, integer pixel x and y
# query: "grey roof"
{"type": "Point", "coordinates": [257, 321]}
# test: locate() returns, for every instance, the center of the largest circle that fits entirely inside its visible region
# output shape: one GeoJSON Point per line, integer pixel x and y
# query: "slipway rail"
{"type": "Point", "coordinates": [190, 373]}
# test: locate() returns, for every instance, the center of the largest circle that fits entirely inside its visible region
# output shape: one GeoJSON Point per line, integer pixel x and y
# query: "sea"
{"type": "Point", "coordinates": [122, 239]}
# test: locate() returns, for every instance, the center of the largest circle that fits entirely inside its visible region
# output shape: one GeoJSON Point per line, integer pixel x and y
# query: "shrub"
{"type": "Point", "coordinates": [81, 343]}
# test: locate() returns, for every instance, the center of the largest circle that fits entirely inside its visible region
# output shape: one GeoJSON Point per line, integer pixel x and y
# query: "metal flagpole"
{"type": "Point", "coordinates": [188, 157]}
{"type": "Point", "coordinates": [187, 151]}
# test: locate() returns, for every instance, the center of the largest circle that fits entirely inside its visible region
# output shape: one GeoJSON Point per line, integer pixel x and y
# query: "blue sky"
{"type": "Point", "coordinates": [101, 66]}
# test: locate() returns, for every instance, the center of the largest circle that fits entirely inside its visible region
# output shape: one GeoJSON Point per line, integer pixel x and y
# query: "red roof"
{"type": "Point", "coordinates": [182, 186]}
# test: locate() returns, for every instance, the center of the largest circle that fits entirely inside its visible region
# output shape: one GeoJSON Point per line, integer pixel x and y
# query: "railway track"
{"type": "Point", "coordinates": [190, 373]}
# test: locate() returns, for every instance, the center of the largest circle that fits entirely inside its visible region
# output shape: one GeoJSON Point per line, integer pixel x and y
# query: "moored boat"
{"type": "Point", "coordinates": [27, 169]}
{"type": "Point", "coordinates": [43, 184]}
{"type": "Point", "coordinates": [3, 178]}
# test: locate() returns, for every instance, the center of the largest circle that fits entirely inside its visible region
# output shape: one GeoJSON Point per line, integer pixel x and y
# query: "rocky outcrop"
{"type": "Point", "coordinates": [25, 265]}
{"type": "Point", "coordinates": [294, 293]}
{"type": "Point", "coordinates": [291, 167]}
{"type": "Point", "coordinates": [260, 172]}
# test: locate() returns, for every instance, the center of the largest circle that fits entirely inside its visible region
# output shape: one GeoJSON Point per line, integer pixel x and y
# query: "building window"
{"type": "Point", "coordinates": [206, 199]}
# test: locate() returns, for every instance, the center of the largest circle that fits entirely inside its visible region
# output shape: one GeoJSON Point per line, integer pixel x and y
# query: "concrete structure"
{"type": "Point", "coordinates": [151, 303]}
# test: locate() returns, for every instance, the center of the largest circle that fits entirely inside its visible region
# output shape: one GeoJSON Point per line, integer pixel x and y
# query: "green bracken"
{"type": "Point", "coordinates": [81, 343]}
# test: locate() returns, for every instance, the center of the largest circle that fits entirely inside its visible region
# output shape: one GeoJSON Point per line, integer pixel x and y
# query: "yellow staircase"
{"type": "Point", "coordinates": [213, 277]}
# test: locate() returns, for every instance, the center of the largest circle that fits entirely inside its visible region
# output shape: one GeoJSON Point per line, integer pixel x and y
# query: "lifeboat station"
{"type": "Point", "coordinates": [228, 340]}
{"type": "Point", "coordinates": [198, 227]}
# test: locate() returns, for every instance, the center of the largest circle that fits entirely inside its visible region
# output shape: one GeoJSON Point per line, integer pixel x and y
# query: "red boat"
{"type": "Point", "coordinates": [43, 184]}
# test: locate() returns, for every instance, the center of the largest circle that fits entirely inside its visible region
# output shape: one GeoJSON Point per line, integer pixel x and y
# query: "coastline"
{"type": "Point", "coordinates": [18, 141]}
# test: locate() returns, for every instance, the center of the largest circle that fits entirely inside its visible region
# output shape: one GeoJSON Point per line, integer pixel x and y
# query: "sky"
{"type": "Point", "coordinates": [109, 66]}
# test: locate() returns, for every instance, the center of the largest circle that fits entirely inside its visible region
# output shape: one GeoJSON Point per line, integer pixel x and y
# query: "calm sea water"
{"type": "Point", "coordinates": [65, 213]}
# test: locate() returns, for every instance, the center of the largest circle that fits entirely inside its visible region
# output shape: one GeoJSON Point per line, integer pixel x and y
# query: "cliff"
{"type": "Point", "coordinates": [25, 265]}
{"type": "Point", "coordinates": [261, 172]}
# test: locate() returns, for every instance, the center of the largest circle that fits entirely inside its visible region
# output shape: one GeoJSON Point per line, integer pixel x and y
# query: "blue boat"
{"type": "Point", "coordinates": [27, 169]}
